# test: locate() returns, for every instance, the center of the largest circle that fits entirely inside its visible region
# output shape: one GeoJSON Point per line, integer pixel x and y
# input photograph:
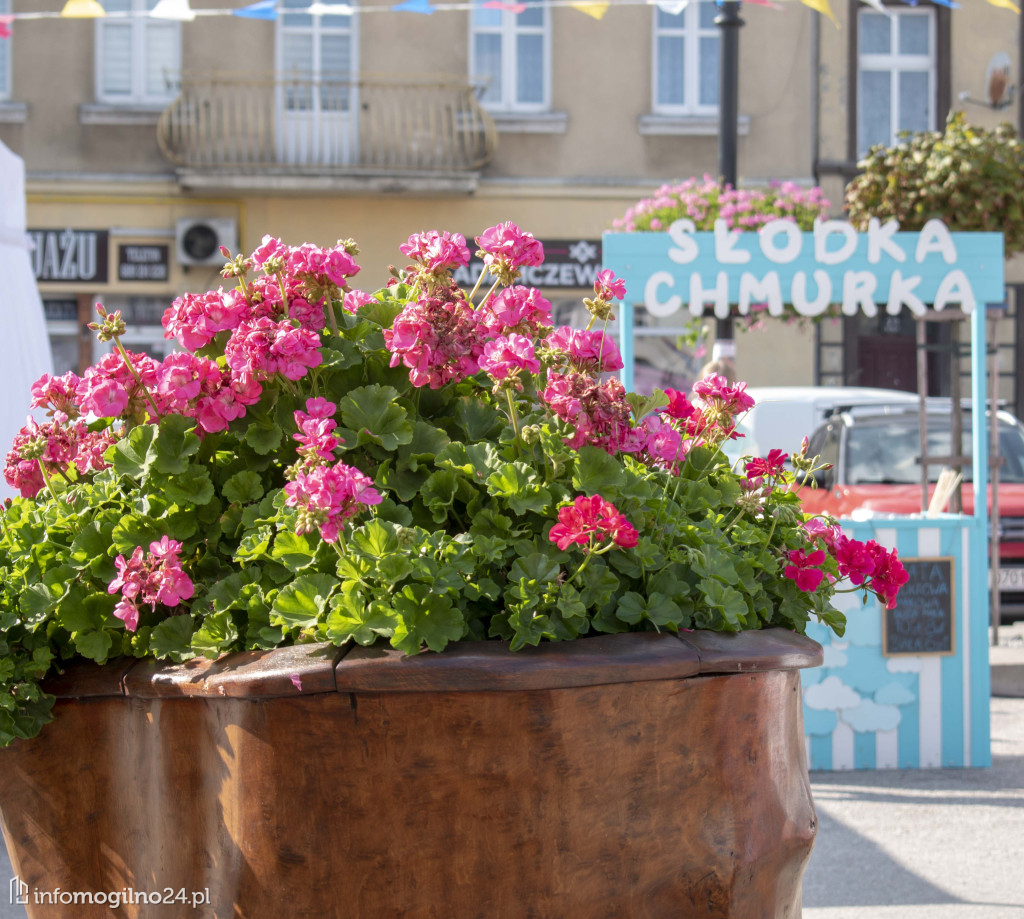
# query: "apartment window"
{"type": "Point", "coordinates": [510, 58]}
{"type": "Point", "coordinates": [5, 56]}
{"type": "Point", "coordinates": [685, 78]}
{"type": "Point", "coordinates": [318, 48]}
{"type": "Point", "coordinates": [138, 58]}
{"type": "Point", "coordinates": [896, 75]}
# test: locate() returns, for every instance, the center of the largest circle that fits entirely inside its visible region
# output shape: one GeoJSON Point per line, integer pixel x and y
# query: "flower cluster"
{"type": "Point", "coordinates": [863, 563]}
{"type": "Point", "coordinates": [325, 495]}
{"type": "Point", "coordinates": [702, 201]}
{"type": "Point", "coordinates": [60, 447]}
{"type": "Point", "coordinates": [590, 521]}
{"type": "Point", "coordinates": [149, 578]}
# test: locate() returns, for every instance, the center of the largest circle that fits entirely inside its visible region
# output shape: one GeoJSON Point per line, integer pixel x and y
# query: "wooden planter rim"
{"type": "Point", "coordinates": [466, 666]}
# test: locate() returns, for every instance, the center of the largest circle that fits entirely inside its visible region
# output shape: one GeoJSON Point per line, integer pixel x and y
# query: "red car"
{"type": "Point", "coordinates": [875, 467]}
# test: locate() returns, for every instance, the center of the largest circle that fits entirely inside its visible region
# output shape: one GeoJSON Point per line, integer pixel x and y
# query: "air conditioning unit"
{"type": "Point", "coordinates": [199, 240]}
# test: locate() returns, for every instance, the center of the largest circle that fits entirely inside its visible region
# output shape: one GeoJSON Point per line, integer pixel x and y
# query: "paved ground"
{"type": "Point", "coordinates": [928, 844]}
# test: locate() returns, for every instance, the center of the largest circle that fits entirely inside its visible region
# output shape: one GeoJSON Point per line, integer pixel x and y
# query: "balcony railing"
{"type": "Point", "coordinates": [342, 126]}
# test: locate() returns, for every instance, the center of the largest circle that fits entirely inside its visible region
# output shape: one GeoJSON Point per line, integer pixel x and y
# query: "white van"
{"type": "Point", "coordinates": [783, 416]}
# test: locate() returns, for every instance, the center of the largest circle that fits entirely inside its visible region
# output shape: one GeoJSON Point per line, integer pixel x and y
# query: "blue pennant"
{"type": "Point", "coordinates": [415, 6]}
{"type": "Point", "coordinates": [261, 9]}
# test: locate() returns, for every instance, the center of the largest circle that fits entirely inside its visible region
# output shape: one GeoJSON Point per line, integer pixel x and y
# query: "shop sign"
{"type": "Point", "coordinates": [142, 263]}
{"type": "Point", "coordinates": [73, 256]}
{"type": "Point", "coordinates": [882, 269]}
{"type": "Point", "coordinates": [568, 264]}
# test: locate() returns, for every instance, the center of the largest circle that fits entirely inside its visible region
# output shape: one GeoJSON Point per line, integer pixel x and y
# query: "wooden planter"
{"type": "Point", "coordinates": [620, 776]}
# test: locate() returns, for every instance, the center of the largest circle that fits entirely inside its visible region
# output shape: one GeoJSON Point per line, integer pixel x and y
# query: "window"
{"type": "Point", "coordinates": [313, 47]}
{"type": "Point", "coordinates": [685, 78]}
{"type": "Point", "coordinates": [896, 75]}
{"type": "Point", "coordinates": [138, 58]}
{"type": "Point", "coordinates": [510, 57]}
{"type": "Point", "coordinates": [5, 56]}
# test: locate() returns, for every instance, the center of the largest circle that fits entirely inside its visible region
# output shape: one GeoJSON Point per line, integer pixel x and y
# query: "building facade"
{"type": "Point", "coordinates": [151, 142]}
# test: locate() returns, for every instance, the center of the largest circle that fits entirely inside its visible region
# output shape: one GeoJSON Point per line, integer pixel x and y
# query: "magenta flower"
{"type": "Point", "coordinates": [506, 356]}
{"type": "Point", "coordinates": [516, 309]}
{"type": "Point", "coordinates": [770, 466]}
{"type": "Point", "coordinates": [356, 298]}
{"type": "Point", "coordinates": [56, 394]}
{"type": "Point", "coordinates": [438, 340]}
{"type": "Point", "coordinates": [149, 578]}
{"type": "Point", "coordinates": [590, 521]}
{"type": "Point", "coordinates": [609, 287]}
{"type": "Point", "coordinates": [327, 496]}
{"type": "Point", "coordinates": [506, 244]}
{"type": "Point", "coordinates": [803, 568]}
{"type": "Point", "coordinates": [437, 251]}
{"type": "Point", "coordinates": [593, 351]}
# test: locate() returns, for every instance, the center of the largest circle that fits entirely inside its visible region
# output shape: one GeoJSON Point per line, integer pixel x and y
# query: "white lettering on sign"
{"type": "Point", "coordinates": [880, 239]}
{"type": "Point", "coordinates": [823, 229]}
{"type": "Point", "coordinates": [859, 293]}
{"type": "Point", "coordinates": [685, 249]}
{"type": "Point", "coordinates": [817, 306]}
{"type": "Point", "coordinates": [68, 255]}
{"type": "Point", "coordinates": [789, 251]}
{"type": "Point", "coordinates": [955, 288]}
{"type": "Point", "coordinates": [767, 290]}
{"type": "Point", "coordinates": [901, 291]}
{"type": "Point", "coordinates": [726, 252]}
{"type": "Point", "coordinates": [658, 307]}
{"type": "Point", "coordinates": [699, 295]}
{"type": "Point", "coordinates": [935, 237]}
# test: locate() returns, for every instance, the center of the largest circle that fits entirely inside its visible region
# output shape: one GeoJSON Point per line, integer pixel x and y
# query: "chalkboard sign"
{"type": "Point", "coordinates": [923, 620]}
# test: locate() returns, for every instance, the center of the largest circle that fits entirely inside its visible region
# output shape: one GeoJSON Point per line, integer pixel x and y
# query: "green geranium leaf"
{"type": "Point", "coordinates": [301, 604]}
{"type": "Point", "coordinates": [175, 443]}
{"type": "Point", "coordinates": [135, 454]}
{"type": "Point", "coordinates": [296, 552]}
{"type": "Point", "coordinates": [597, 473]}
{"type": "Point", "coordinates": [244, 487]}
{"type": "Point", "coordinates": [517, 484]}
{"type": "Point", "coordinates": [376, 539]}
{"type": "Point", "coordinates": [193, 487]}
{"type": "Point", "coordinates": [372, 415]}
{"type": "Point", "coordinates": [478, 420]}
{"type": "Point", "coordinates": [217, 635]}
{"type": "Point", "coordinates": [172, 638]}
{"type": "Point", "coordinates": [425, 618]}
{"type": "Point", "coordinates": [254, 545]}
{"type": "Point", "coordinates": [135, 531]}
{"type": "Point", "coordinates": [94, 645]}
{"type": "Point", "coordinates": [264, 436]}
{"type": "Point", "coordinates": [352, 618]}
{"type": "Point", "coordinates": [39, 600]}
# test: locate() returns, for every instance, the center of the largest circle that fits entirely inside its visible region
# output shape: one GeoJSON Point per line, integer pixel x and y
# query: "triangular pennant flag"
{"type": "Point", "coordinates": [672, 7]}
{"type": "Point", "coordinates": [1006, 5]}
{"type": "Point", "coordinates": [822, 7]}
{"type": "Point", "coordinates": [261, 9]}
{"type": "Point", "coordinates": [950, 3]}
{"type": "Point", "coordinates": [880, 7]}
{"type": "Point", "coordinates": [415, 6]}
{"type": "Point", "coordinates": [516, 8]}
{"type": "Point", "coordinates": [595, 10]}
{"type": "Point", "coordinates": [5, 26]}
{"type": "Point", "coordinates": [767, 3]}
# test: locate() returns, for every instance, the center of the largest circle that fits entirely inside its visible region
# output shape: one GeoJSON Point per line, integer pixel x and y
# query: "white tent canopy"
{"type": "Point", "coordinates": [25, 347]}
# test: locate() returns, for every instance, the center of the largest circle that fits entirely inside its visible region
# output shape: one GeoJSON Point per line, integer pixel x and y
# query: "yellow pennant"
{"type": "Point", "coordinates": [1006, 5]}
{"type": "Point", "coordinates": [822, 7]}
{"type": "Point", "coordinates": [596, 10]}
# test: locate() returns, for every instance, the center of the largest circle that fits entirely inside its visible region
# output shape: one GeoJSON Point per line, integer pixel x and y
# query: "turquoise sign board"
{"type": "Point", "coordinates": [881, 269]}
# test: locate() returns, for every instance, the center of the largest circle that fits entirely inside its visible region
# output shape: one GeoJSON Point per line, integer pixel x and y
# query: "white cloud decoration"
{"type": "Point", "coordinates": [831, 694]}
{"type": "Point", "coordinates": [869, 716]}
{"type": "Point", "coordinates": [894, 694]}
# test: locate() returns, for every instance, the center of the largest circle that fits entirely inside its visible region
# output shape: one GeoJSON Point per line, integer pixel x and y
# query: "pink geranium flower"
{"type": "Point", "coordinates": [505, 243]}
{"type": "Point", "coordinates": [804, 568]}
{"type": "Point", "coordinates": [506, 356]}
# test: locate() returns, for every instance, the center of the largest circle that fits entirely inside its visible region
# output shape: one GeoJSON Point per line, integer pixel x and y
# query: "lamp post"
{"type": "Point", "coordinates": [729, 23]}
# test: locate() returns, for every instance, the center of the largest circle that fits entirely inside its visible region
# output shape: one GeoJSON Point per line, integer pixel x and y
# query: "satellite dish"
{"type": "Point", "coordinates": [998, 89]}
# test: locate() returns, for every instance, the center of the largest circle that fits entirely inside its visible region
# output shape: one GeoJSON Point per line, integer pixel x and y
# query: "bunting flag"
{"type": "Point", "coordinates": [507, 7]}
{"type": "Point", "coordinates": [767, 3]}
{"type": "Point", "coordinates": [261, 9]}
{"type": "Point", "coordinates": [672, 7]}
{"type": "Point", "coordinates": [950, 3]}
{"type": "Point", "coordinates": [594, 10]}
{"type": "Point", "coordinates": [880, 7]}
{"type": "Point", "coordinates": [1006, 5]}
{"type": "Point", "coordinates": [5, 26]}
{"type": "Point", "coordinates": [821, 6]}
{"type": "Point", "coordinates": [415, 6]}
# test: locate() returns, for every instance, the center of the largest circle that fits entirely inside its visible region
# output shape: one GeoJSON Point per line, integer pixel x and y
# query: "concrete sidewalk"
{"type": "Point", "coordinates": [924, 844]}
